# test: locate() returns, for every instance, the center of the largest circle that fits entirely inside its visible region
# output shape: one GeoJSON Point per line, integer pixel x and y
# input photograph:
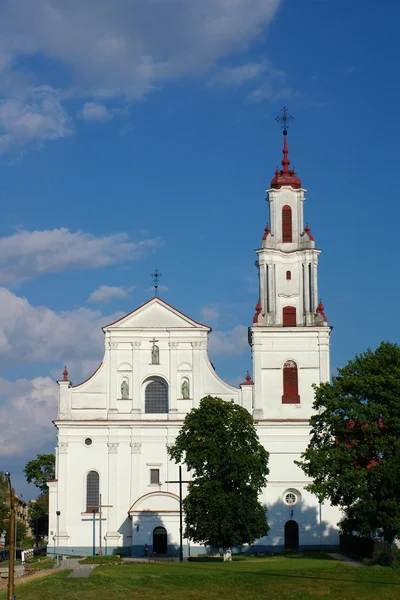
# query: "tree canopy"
{"type": "Point", "coordinates": [354, 452]}
{"type": "Point", "coordinates": [219, 445]}
{"type": "Point", "coordinates": [39, 470]}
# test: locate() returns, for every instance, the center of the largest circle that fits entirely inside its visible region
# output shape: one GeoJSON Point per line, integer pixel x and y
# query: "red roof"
{"type": "Point", "coordinates": [285, 176]}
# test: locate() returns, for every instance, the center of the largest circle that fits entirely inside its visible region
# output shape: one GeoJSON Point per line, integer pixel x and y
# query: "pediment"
{"type": "Point", "coordinates": [156, 314]}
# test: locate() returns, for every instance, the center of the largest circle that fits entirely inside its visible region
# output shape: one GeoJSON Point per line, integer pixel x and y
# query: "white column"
{"type": "Point", "coordinates": [262, 283]}
{"type": "Point", "coordinates": [62, 493]}
{"type": "Point", "coordinates": [112, 534]}
{"type": "Point", "coordinates": [257, 390]}
{"type": "Point", "coordinates": [314, 270]}
{"type": "Point", "coordinates": [271, 287]}
{"type": "Point", "coordinates": [173, 386]}
{"type": "Point", "coordinates": [112, 372]}
{"type": "Point", "coordinates": [197, 373]}
{"type": "Point", "coordinates": [136, 376]}
{"type": "Point", "coordinates": [135, 491]}
{"type": "Point", "coordinates": [306, 288]}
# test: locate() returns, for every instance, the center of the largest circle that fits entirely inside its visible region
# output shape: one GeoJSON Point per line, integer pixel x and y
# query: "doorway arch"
{"type": "Point", "coordinates": [291, 535]}
{"type": "Point", "coordinates": [160, 540]}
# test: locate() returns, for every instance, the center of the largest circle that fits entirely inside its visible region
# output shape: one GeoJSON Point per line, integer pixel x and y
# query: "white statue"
{"type": "Point", "coordinates": [185, 389]}
{"type": "Point", "coordinates": [124, 390]}
{"type": "Point", "coordinates": [155, 353]}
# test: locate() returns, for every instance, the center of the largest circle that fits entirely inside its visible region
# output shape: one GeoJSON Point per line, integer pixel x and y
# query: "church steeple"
{"type": "Point", "coordinates": [288, 258]}
{"type": "Point", "coordinates": [290, 333]}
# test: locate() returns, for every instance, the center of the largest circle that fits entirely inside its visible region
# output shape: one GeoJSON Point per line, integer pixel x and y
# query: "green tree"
{"type": "Point", "coordinates": [354, 452]}
{"type": "Point", "coordinates": [40, 470]}
{"type": "Point", "coordinates": [219, 444]}
{"type": "Point", "coordinates": [4, 504]}
{"type": "Point", "coordinates": [38, 516]}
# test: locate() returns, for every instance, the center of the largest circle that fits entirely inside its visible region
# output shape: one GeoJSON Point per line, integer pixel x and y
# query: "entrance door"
{"type": "Point", "coordinates": [160, 540]}
{"type": "Point", "coordinates": [291, 535]}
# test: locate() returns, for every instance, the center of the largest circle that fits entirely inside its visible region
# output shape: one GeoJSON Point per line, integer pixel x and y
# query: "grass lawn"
{"type": "Point", "coordinates": [295, 577]}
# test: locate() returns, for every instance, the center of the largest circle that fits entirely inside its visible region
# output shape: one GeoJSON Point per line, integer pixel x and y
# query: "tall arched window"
{"type": "Point", "coordinates": [92, 491]}
{"type": "Point", "coordinates": [156, 396]}
{"type": "Point", "coordinates": [286, 224]}
{"type": "Point", "coordinates": [290, 383]}
{"type": "Point", "coordinates": [289, 316]}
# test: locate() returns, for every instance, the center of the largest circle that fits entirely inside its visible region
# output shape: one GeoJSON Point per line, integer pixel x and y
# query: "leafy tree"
{"type": "Point", "coordinates": [38, 516]}
{"type": "Point", "coordinates": [40, 470]}
{"type": "Point", "coordinates": [354, 453]}
{"type": "Point", "coordinates": [4, 504]}
{"type": "Point", "coordinates": [219, 444]}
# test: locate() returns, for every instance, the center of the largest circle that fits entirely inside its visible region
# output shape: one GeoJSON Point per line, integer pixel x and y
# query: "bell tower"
{"type": "Point", "coordinates": [290, 332]}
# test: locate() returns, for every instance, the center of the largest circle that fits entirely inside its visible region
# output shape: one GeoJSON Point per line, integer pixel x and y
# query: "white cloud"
{"type": "Point", "coordinates": [209, 315]}
{"type": "Point", "coordinates": [229, 343]}
{"type": "Point", "coordinates": [237, 75]}
{"type": "Point", "coordinates": [37, 334]}
{"type": "Point", "coordinates": [26, 254]}
{"type": "Point", "coordinates": [106, 293]}
{"type": "Point", "coordinates": [27, 408]}
{"type": "Point", "coordinates": [269, 90]}
{"type": "Point", "coordinates": [120, 50]}
{"type": "Point", "coordinates": [33, 117]}
{"type": "Point", "coordinates": [95, 113]}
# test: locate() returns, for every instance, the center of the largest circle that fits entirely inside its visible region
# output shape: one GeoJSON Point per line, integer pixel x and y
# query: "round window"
{"type": "Point", "coordinates": [88, 442]}
{"type": "Point", "coordinates": [292, 498]}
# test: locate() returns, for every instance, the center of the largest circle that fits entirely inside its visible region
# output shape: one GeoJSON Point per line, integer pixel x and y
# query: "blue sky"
{"type": "Point", "coordinates": [141, 134]}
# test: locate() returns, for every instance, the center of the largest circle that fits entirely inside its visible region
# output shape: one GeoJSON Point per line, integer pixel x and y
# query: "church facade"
{"type": "Point", "coordinates": [115, 488]}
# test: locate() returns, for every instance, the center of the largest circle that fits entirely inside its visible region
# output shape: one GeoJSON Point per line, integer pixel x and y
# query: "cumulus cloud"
{"type": "Point", "coordinates": [229, 343]}
{"type": "Point", "coordinates": [32, 118]}
{"type": "Point", "coordinates": [128, 46]}
{"type": "Point", "coordinates": [38, 334]}
{"type": "Point", "coordinates": [27, 254]}
{"type": "Point", "coordinates": [95, 113]}
{"type": "Point", "coordinates": [106, 293]}
{"type": "Point", "coordinates": [209, 315]}
{"type": "Point", "coordinates": [237, 75]}
{"type": "Point", "coordinates": [114, 51]}
{"type": "Point", "coordinates": [27, 408]}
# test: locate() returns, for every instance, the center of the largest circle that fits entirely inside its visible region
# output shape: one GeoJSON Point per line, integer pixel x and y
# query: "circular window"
{"type": "Point", "coordinates": [88, 442]}
{"type": "Point", "coordinates": [292, 498]}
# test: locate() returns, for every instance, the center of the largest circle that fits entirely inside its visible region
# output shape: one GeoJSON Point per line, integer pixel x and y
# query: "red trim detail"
{"type": "Point", "coordinates": [65, 374]}
{"type": "Point", "coordinates": [162, 302]}
{"type": "Point", "coordinates": [285, 176]}
{"type": "Point", "coordinates": [320, 311]}
{"type": "Point", "coordinates": [307, 230]}
{"type": "Point", "coordinates": [92, 375]}
{"type": "Point", "coordinates": [248, 380]}
{"type": "Point", "coordinates": [258, 309]}
{"type": "Point", "coordinates": [267, 232]}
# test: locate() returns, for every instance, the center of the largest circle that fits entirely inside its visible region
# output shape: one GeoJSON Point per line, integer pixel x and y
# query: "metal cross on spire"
{"type": "Point", "coordinates": [156, 275]}
{"type": "Point", "coordinates": [284, 119]}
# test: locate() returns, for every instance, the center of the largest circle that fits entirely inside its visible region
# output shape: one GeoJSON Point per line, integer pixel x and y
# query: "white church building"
{"type": "Point", "coordinates": [114, 428]}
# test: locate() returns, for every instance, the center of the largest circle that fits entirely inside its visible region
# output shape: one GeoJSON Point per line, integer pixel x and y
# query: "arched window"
{"type": "Point", "coordinates": [286, 224]}
{"type": "Point", "coordinates": [288, 275]}
{"type": "Point", "coordinates": [156, 396]}
{"type": "Point", "coordinates": [92, 491]}
{"type": "Point", "coordinates": [289, 316]}
{"type": "Point", "coordinates": [290, 383]}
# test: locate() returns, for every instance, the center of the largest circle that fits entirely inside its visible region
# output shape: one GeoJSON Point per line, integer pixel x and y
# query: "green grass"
{"type": "Point", "coordinates": [294, 577]}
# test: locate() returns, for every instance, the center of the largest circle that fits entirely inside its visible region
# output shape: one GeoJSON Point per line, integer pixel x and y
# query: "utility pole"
{"type": "Point", "coordinates": [11, 542]}
{"type": "Point", "coordinates": [180, 481]}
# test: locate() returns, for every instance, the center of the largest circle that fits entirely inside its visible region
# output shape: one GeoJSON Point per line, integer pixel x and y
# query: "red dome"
{"type": "Point", "coordinates": [285, 176]}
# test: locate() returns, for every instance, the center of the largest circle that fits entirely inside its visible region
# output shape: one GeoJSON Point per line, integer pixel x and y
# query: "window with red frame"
{"type": "Point", "coordinates": [288, 275]}
{"type": "Point", "coordinates": [289, 316]}
{"type": "Point", "coordinates": [286, 224]}
{"type": "Point", "coordinates": [290, 383]}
